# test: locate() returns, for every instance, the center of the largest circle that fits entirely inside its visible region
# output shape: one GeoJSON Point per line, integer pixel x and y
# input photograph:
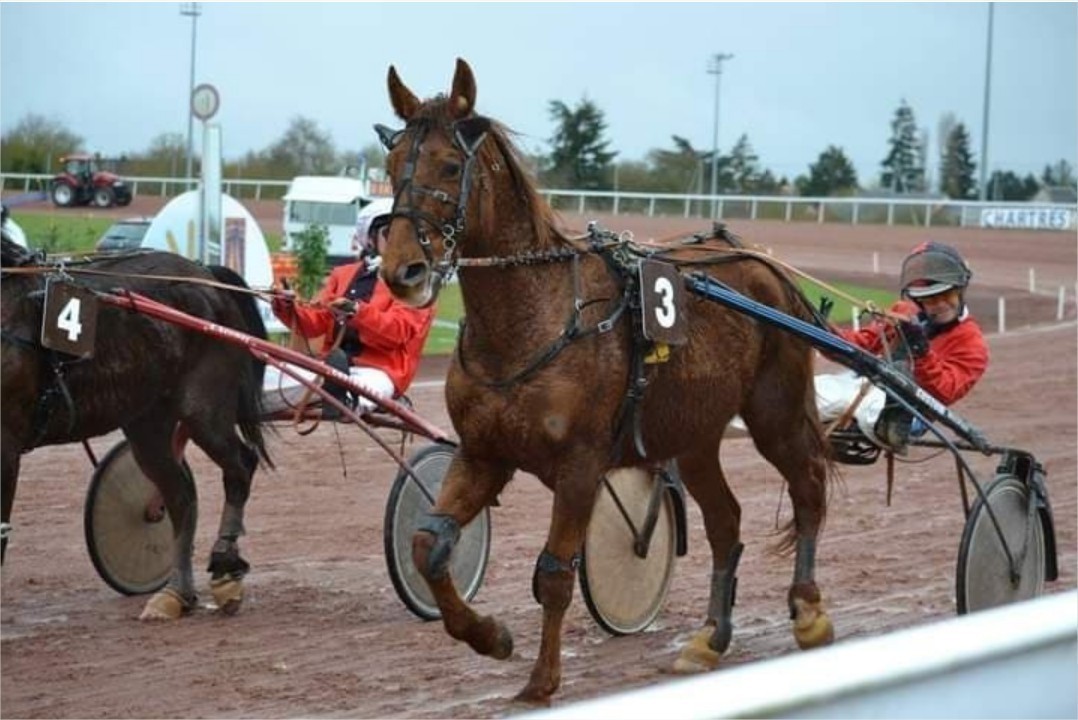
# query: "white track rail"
{"type": "Point", "coordinates": [1019, 660]}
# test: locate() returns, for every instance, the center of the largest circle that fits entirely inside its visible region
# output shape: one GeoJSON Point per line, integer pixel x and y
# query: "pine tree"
{"type": "Point", "coordinates": [743, 165]}
{"type": "Point", "coordinates": [830, 174]}
{"type": "Point", "coordinates": [579, 158]}
{"type": "Point", "coordinates": [1059, 174]}
{"type": "Point", "coordinates": [957, 166]}
{"type": "Point", "coordinates": [903, 167]}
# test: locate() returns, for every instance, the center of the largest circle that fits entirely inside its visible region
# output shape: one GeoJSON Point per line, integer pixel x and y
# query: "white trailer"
{"type": "Point", "coordinates": [332, 202]}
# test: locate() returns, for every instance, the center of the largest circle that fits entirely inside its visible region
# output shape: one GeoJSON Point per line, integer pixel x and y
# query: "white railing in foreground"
{"type": "Point", "coordinates": [929, 212]}
{"type": "Point", "coordinates": [1014, 661]}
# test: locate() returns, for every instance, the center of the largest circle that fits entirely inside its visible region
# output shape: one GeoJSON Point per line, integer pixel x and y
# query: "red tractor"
{"type": "Point", "coordinates": [82, 182]}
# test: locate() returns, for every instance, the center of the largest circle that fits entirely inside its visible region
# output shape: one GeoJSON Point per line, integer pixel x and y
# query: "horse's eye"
{"type": "Point", "coordinates": [450, 170]}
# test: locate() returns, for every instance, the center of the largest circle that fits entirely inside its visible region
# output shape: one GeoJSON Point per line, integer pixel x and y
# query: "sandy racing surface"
{"type": "Point", "coordinates": [323, 633]}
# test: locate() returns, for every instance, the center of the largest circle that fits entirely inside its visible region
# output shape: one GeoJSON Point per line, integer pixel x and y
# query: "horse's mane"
{"type": "Point", "coordinates": [435, 113]}
{"type": "Point", "coordinates": [542, 216]}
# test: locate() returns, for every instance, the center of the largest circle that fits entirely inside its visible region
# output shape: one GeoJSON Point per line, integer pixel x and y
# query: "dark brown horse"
{"type": "Point", "coordinates": [160, 383]}
{"type": "Point", "coordinates": [548, 376]}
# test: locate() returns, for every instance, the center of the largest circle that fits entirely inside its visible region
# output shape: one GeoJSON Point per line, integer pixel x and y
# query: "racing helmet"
{"type": "Point", "coordinates": [932, 268]}
{"type": "Point", "coordinates": [371, 217]}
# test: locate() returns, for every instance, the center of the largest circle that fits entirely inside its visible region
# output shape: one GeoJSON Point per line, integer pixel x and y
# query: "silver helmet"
{"type": "Point", "coordinates": [932, 268]}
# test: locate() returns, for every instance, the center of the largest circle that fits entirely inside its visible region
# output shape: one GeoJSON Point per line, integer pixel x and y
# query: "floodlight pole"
{"type": "Point", "coordinates": [191, 10]}
{"type": "Point", "coordinates": [984, 120]}
{"type": "Point", "coordinates": [715, 68]}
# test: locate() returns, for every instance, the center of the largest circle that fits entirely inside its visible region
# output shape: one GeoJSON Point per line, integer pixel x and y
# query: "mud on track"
{"type": "Point", "coordinates": [323, 633]}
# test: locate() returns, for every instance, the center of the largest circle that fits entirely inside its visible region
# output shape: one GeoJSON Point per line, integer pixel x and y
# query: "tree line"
{"type": "Point", "coordinates": [581, 158]}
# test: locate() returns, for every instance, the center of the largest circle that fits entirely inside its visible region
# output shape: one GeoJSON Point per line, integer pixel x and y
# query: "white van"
{"type": "Point", "coordinates": [331, 201]}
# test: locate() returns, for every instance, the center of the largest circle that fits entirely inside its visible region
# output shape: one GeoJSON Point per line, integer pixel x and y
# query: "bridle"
{"type": "Point", "coordinates": [408, 191]}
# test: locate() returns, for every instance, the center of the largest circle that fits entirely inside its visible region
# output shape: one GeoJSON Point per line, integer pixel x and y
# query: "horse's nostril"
{"type": "Point", "coordinates": [412, 274]}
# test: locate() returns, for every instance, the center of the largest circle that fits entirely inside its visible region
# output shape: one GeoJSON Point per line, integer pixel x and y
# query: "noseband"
{"type": "Point", "coordinates": [405, 199]}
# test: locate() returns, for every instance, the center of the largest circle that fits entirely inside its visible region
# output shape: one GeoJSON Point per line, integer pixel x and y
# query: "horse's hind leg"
{"type": "Point", "coordinates": [238, 463]}
{"type": "Point", "coordinates": [791, 440]}
{"type": "Point", "coordinates": [469, 486]}
{"type": "Point", "coordinates": [151, 445]}
{"type": "Point", "coordinates": [703, 477]}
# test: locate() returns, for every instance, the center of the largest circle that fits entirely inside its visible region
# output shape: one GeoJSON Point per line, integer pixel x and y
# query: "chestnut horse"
{"type": "Point", "coordinates": [547, 376]}
{"type": "Point", "coordinates": [160, 383]}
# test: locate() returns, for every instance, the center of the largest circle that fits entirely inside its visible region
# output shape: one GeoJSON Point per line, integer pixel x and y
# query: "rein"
{"type": "Point", "coordinates": [61, 268]}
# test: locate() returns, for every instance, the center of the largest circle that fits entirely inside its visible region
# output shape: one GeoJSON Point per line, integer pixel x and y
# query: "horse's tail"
{"type": "Point", "coordinates": [250, 385]}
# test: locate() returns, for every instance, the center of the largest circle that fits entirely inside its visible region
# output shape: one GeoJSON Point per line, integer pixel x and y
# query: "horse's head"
{"type": "Point", "coordinates": [432, 163]}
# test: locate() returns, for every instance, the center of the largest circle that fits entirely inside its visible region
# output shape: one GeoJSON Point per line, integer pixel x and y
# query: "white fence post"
{"type": "Point", "coordinates": [1062, 304]}
{"type": "Point", "coordinates": [1002, 315]}
{"type": "Point", "coordinates": [875, 263]}
{"type": "Point", "coordinates": [1032, 281]}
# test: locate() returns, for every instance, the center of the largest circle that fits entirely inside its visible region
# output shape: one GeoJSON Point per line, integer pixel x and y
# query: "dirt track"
{"type": "Point", "coordinates": [323, 633]}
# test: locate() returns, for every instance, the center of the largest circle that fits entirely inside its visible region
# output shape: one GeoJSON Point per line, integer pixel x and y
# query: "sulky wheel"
{"type": "Point", "coordinates": [128, 532]}
{"type": "Point", "coordinates": [405, 509]}
{"type": "Point", "coordinates": [624, 575]}
{"type": "Point", "coordinates": [984, 577]}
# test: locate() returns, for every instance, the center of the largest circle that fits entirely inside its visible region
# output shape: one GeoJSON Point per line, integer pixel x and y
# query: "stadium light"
{"type": "Point", "coordinates": [715, 68]}
{"type": "Point", "coordinates": [191, 10]}
{"type": "Point", "coordinates": [984, 121]}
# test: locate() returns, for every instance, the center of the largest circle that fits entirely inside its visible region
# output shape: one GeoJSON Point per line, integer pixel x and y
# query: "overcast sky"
{"type": "Point", "coordinates": [803, 76]}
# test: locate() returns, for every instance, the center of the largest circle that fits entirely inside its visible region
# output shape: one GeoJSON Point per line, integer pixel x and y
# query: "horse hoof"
{"type": "Point", "coordinates": [812, 627]}
{"type": "Point", "coordinates": [227, 593]}
{"type": "Point", "coordinates": [697, 655]}
{"type": "Point", "coordinates": [532, 696]}
{"type": "Point", "coordinates": [166, 604]}
{"type": "Point", "coordinates": [503, 644]}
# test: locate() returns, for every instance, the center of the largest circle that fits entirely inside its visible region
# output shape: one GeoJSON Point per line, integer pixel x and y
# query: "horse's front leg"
{"type": "Point", "coordinates": [470, 485]}
{"type": "Point", "coordinates": [575, 487]}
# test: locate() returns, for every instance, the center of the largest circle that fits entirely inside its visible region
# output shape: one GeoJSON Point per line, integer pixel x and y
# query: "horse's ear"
{"type": "Point", "coordinates": [405, 103]}
{"type": "Point", "coordinates": [462, 99]}
{"type": "Point", "coordinates": [388, 136]}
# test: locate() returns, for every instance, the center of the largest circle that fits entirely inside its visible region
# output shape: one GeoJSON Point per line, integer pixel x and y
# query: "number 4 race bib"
{"type": "Point", "coordinates": [69, 323]}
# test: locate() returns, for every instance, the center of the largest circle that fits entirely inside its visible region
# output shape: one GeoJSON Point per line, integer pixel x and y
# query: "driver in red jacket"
{"type": "Point", "coordinates": [944, 344]}
{"type": "Point", "coordinates": [383, 337]}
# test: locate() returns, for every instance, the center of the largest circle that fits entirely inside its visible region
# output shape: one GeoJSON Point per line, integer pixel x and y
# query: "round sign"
{"type": "Point", "coordinates": [205, 101]}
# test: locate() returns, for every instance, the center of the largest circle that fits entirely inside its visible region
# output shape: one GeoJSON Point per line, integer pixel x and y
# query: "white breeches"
{"type": "Point", "coordinates": [835, 393]}
{"type": "Point", "coordinates": [280, 391]}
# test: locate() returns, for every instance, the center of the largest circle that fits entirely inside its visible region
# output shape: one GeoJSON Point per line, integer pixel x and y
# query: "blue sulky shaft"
{"type": "Point", "coordinates": [892, 382]}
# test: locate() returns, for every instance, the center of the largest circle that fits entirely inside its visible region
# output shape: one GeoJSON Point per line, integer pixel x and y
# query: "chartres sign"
{"type": "Point", "coordinates": [1028, 218]}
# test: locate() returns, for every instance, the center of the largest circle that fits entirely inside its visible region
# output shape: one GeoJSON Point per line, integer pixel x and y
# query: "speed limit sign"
{"type": "Point", "coordinates": [205, 100]}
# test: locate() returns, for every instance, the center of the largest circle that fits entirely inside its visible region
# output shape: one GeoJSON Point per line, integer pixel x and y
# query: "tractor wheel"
{"type": "Point", "coordinates": [63, 195]}
{"type": "Point", "coordinates": [103, 197]}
